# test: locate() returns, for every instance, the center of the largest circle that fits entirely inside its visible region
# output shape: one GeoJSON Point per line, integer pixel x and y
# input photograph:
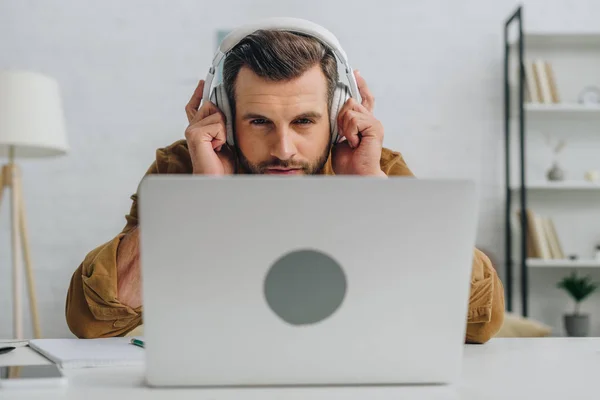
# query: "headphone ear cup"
{"type": "Point", "coordinates": [340, 96]}
{"type": "Point", "coordinates": [220, 99]}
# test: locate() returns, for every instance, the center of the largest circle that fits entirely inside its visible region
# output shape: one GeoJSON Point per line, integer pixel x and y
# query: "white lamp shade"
{"type": "Point", "coordinates": [31, 115]}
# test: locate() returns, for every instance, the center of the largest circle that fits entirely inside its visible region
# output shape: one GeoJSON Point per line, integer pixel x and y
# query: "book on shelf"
{"type": "Point", "coordinates": [542, 239]}
{"type": "Point", "coordinates": [540, 82]}
{"type": "Point", "coordinates": [552, 82]}
{"type": "Point", "coordinates": [531, 92]}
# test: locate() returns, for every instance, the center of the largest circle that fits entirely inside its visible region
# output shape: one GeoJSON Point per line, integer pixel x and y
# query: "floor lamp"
{"type": "Point", "coordinates": [31, 126]}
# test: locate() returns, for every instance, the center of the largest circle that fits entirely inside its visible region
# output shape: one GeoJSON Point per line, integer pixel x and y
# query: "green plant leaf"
{"type": "Point", "coordinates": [577, 287]}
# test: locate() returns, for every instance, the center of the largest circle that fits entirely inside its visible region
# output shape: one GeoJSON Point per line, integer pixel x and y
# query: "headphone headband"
{"type": "Point", "coordinates": [282, 24]}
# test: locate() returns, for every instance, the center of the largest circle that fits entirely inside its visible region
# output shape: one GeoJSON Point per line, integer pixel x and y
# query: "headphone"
{"type": "Point", "coordinates": [342, 92]}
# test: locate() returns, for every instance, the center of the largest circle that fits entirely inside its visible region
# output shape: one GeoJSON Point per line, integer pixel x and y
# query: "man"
{"type": "Point", "coordinates": [279, 85]}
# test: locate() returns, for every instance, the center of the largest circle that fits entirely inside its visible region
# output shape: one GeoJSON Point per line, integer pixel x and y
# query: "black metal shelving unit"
{"type": "Point", "coordinates": [515, 18]}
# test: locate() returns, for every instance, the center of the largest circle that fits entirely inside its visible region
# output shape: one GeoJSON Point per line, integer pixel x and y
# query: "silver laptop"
{"type": "Point", "coordinates": [257, 280]}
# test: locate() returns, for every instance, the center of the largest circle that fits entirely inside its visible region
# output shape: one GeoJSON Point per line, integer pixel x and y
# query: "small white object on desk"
{"type": "Point", "coordinates": [14, 342]}
{"type": "Point", "coordinates": [84, 353]}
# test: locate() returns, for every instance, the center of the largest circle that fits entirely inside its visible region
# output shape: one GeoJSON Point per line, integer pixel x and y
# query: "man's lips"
{"type": "Point", "coordinates": [283, 171]}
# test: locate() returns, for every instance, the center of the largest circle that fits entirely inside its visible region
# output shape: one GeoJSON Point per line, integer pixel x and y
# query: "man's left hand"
{"type": "Point", "coordinates": [360, 153]}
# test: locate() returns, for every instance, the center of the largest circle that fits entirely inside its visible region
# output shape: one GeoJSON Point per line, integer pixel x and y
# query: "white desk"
{"type": "Point", "coordinates": [549, 368]}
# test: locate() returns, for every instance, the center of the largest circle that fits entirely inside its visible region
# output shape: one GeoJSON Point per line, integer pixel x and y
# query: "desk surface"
{"type": "Point", "coordinates": [548, 368]}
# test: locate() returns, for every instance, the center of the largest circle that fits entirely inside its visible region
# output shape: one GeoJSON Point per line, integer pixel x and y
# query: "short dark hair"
{"type": "Point", "coordinates": [278, 56]}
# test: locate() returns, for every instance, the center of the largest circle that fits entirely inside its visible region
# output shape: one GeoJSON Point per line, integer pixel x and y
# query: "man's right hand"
{"type": "Point", "coordinates": [206, 137]}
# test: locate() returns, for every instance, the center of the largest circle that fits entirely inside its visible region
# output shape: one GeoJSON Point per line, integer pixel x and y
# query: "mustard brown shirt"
{"type": "Point", "coordinates": [93, 309]}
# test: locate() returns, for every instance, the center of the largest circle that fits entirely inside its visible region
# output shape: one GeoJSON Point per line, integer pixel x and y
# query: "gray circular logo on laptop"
{"type": "Point", "coordinates": [305, 286]}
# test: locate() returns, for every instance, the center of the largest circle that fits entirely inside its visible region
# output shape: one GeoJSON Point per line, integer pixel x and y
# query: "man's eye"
{"type": "Point", "coordinates": [303, 121]}
{"type": "Point", "coordinates": [258, 121]}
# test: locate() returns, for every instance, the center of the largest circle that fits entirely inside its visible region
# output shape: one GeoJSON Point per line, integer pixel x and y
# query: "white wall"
{"type": "Point", "coordinates": [127, 68]}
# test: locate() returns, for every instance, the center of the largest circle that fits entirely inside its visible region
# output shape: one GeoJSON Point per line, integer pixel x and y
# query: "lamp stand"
{"type": "Point", "coordinates": [10, 179]}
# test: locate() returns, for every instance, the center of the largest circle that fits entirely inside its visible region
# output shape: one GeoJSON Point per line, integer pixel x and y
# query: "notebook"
{"type": "Point", "coordinates": [14, 342]}
{"type": "Point", "coordinates": [86, 353]}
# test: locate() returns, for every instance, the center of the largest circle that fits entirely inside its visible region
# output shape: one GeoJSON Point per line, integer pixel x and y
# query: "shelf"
{"type": "Point", "coordinates": [565, 50]}
{"type": "Point", "coordinates": [562, 185]}
{"type": "Point", "coordinates": [553, 39]}
{"type": "Point", "coordinates": [541, 263]}
{"type": "Point", "coordinates": [562, 108]}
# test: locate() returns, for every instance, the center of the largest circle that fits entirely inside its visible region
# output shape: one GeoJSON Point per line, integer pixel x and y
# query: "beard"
{"type": "Point", "coordinates": [308, 168]}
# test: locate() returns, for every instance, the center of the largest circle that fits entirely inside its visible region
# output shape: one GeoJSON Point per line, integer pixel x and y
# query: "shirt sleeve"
{"type": "Point", "coordinates": [485, 314]}
{"type": "Point", "coordinates": [92, 308]}
{"type": "Point", "coordinates": [486, 302]}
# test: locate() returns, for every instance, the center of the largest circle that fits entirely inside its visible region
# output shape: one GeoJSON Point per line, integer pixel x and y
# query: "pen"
{"type": "Point", "coordinates": [137, 342]}
{"type": "Point", "coordinates": [6, 349]}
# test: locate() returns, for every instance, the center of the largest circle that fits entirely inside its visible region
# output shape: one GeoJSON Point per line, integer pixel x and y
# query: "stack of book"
{"type": "Point", "coordinates": [540, 83]}
{"type": "Point", "coordinates": [542, 239]}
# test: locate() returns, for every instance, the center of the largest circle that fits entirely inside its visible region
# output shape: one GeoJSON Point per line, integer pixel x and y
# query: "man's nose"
{"type": "Point", "coordinates": [283, 148]}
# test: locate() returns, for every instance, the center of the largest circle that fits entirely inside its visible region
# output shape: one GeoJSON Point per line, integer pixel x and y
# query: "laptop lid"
{"type": "Point", "coordinates": [256, 280]}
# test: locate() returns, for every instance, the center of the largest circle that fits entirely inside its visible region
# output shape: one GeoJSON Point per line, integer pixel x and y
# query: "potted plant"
{"type": "Point", "coordinates": [579, 288]}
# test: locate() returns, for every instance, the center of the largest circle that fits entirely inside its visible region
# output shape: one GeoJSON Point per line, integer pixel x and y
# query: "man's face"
{"type": "Point", "coordinates": [282, 127]}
